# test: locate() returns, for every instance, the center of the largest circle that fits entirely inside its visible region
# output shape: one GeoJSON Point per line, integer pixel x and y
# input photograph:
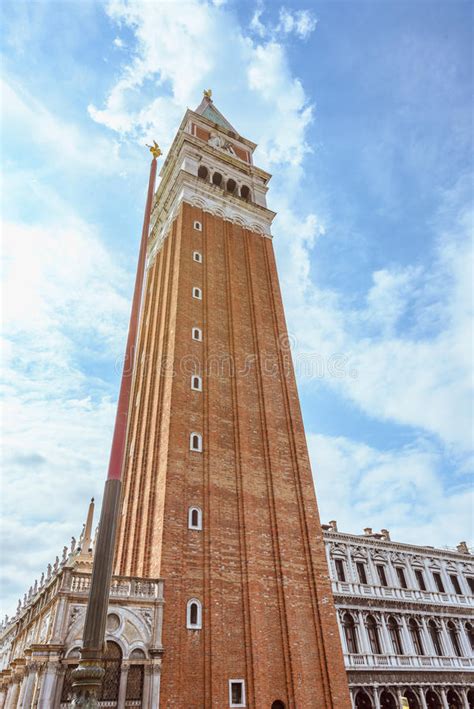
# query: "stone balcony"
{"type": "Point", "coordinates": [400, 594]}
{"type": "Point", "coordinates": [124, 587]}
{"type": "Point", "coordinates": [406, 662]}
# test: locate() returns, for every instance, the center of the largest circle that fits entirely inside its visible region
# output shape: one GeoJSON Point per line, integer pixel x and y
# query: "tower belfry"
{"type": "Point", "coordinates": [218, 498]}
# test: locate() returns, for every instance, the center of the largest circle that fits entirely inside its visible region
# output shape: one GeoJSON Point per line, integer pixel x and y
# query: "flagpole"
{"type": "Point", "coordinates": [87, 677]}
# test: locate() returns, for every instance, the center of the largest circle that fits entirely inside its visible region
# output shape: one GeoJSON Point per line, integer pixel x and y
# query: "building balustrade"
{"type": "Point", "coordinates": [121, 587]}
{"type": "Point", "coordinates": [400, 594]}
{"type": "Point", "coordinates": [403, 661]}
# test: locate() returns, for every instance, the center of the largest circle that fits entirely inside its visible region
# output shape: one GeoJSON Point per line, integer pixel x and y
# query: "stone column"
{"type": "Point", "coordinates": [155, 679]}
{"type": "Point", "coordinates": [421, 694]}
{"type": "Point", "coordinates": [445, 639]}
{"type": "Point", "coordinates": [29, 685]}
{"type": "Point", "coordinates": [13, 694]}
{"type": "Point", "coordinates": [48, 686]}
{"type": "Point", "coordinates": [3, 695]}
{"type": "Point", "coordinates": [365, 648]}
{"type": "Point", "coordinates": [351, 694]}
{"type": "Point", "coordinates": [463, 693]}
{"type": "Point", "coordinates": [123, 686]}
{"type": "Point", "coordinates": [376, 698]}
{"type": "Point", "coordinates": [444, 698]}
{"type": "Point", "coordinates": [399, 696]}
{"type": "Point", "coordinates": [406, 638]}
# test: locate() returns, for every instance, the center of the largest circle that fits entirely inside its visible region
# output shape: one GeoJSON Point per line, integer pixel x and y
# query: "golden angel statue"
{"type": "Point", "coordinates": [154, 149]}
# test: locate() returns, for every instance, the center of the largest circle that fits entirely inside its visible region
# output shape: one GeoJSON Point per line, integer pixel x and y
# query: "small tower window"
{"type": "Point", "coordinates": [196, 382]}
{"type": "Point", "coordinates": [237, 693]}
{"type": "Point", "coordinates": [245, 192]}
{"type": "Point", "coordinates": [197, 334]}
{"type": "Point", "coordinates": [197, 256]}
{"type": "Point", "coordinates": [197, 226]}
{"type": "Point", "coordinates": [217, 179]}
{"type": "Point", "coordinates": [203, 172]}
{"type": "Point", "coordinates": [194, 614]}
{"type": "Point", "coordinates": [231, 186]}
{"type": "Point", "coordinates": [197, 293]}
{"type": "Point", "coordinates": [195, 442]}
{"type": "Point", "coordinates": [194, 518]}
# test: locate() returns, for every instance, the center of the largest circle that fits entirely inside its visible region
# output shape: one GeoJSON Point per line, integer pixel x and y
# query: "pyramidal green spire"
{"type": "Point", "coordinates": [207, 109]}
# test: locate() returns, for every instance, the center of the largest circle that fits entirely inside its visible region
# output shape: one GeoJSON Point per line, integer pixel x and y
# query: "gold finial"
{"type": "Point", "coordinates": [208, 93]}
{"type": "Point", "coordinates": [155, 149]}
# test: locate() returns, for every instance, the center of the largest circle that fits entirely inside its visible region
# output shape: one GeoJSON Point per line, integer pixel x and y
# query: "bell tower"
{"type": "Point", "coordinates": [218, 497]}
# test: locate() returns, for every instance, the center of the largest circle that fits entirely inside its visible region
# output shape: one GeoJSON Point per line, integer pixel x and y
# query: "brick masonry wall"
{"type": "Point", "coordinates": [258, 566]}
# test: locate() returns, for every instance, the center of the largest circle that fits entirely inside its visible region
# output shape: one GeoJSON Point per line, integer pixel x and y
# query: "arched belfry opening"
{"type": "Point", "coordinates": [203, 172]}
{"type": "Point", "coordinates": [278, 704]}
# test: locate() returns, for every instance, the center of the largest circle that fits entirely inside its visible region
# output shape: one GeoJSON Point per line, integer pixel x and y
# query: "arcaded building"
{"type": "Point", "coordinates": [405, 615]}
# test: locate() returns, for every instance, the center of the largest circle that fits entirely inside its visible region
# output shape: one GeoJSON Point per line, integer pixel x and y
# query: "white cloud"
{"type": "Point", "coordinates": [402, 489]}
{"type": "Point", "coordinates": [211, 48]}
{"type": "Point", "coordinates": [300, 22]}
{"type": "Point", "coordinates": [58, 409]}
{"type": "Point", "coordinates": [48, 134]}
{"type": "Point", "coordinates": [118, 42]}
{"type": "Point", "coordinates": [409, 342]}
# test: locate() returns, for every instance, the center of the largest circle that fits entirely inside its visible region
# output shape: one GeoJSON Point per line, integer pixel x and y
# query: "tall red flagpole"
{"type": "Point", "coordinates": [88, 675]}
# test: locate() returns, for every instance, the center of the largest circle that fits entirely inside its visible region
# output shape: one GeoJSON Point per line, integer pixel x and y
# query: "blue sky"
{"type": "Point", "coordinates": [363, 114]}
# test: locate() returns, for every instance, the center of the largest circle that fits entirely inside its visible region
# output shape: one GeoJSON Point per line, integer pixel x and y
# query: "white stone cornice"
{"type": "Point", "coordinates": [198, 193]}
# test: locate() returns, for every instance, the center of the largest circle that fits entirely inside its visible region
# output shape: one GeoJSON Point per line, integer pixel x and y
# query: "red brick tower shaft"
{"type": "Point", "coordinates": [218, 493]}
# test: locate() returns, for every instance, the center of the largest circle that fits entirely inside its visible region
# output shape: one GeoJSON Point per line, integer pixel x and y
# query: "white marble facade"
{"type": "Point", "coordinates": [405, 615]}
{"type": "Point", "coordinates": [40, 645]}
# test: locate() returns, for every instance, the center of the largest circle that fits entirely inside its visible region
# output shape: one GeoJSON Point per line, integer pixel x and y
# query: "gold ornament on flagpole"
{"type": "Point", "coordinates": [155, 149]}
{"type": "Point", "coordinates": [208, 93]}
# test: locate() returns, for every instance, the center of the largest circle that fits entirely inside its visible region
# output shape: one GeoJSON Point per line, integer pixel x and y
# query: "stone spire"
{"type": "Point", "coordinates": [87, 540]}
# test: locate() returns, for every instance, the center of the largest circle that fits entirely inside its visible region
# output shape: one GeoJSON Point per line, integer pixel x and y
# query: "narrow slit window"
{"type": "Point", "coordinates": [438, 581]}
{"type": "Point", "coordinates": [420, 579]}
{"type": "Point", "coordinates": [197, 334]}
{"type": "Point", "coordinates": [196, 382]}
{"type": "Point", "coordinates": [456, 586]}
{"type": "Point", "coordinates": [195, 518]}
{"type": "Point", "coordinates": [361, 572]}
{"type": "Point", "coordinates": [195, 442]}
{"type": "Point", "coordinates": [237, 693]}
{"type": "Point", "coordinates": [197, 293]}
{"type": "Point", "coordinates": [198, 226]}
{"type": "Point", "coordinates": [197, 256]}
{"type": "Point", "coordinates": [194, 614]}
{"type": "Point", "coordinates": [341, 574]}
{"type": "Point", "coordinates": [382, 575]}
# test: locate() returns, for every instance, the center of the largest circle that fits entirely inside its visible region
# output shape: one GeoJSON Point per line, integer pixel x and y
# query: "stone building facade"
{"type": "Point", "coordinates": [405, 615]}
{"type": "Point", "coordinates": [40, 645]}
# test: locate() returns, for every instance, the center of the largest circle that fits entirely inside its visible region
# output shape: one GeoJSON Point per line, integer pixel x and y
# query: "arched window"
{"type": "Point", "coordinates": [373, 633]}
{"type": "Point", "coordinates": [196, 382]}
{"type": "Point", "coordinates": [197, 256]}
{"type": "Point", "coordinates": [363, 700]}
{"type": "Point", "coordinates": [395, 636]}
{"type": "Point", "coordinates": [415, 633]}
{"type": "Point", "coordinates": [203, 172]}
{"type": "Point", "coordinates": [231, 186]}
{"type": "Point", "coordinates": [454, 701]}
{"type": "Point", "coordinates": [387, 700]}
{"type": "Point", "coordinates": [194, 518]}
{"type": "Point", "coordinates": [197, 334]}
{"type": "Point", "coordinates": [470, 634]}
{"type": "Point", "coordinates": [195, 442]}
{"type": "Point", "coordinates": [350, 634]}
{"type": "Point", "coordinates": [111, 679]}
{"type": "Point", "coordinates": [217, 179]}
{"type": "Point", "coordinates": [278, 704]}
{"type": "Point", "coordinates": [197, 293]}
{"type": "Point", "coordinates": [412, 699]}
{"type": "Point", "coordinates": [197, 226]}
{"type": "Point", "coordinates": [470, 698]}
{"type": "Point", "coordinates": [432, 700]}
{"type": "Point", "coordinates": [245, 192]}
{"type": "Point", "coordinates": [194, 614]}
{"type": "Point", "coordinates": [435, 637]}
{"type": "Point", "coordinates": [453, 636]}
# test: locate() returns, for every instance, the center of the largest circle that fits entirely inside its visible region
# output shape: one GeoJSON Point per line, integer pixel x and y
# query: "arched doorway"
{"type": "Point", "coordinates": [112, 667]}
{"type": "Point", "coordinates": [454, 702]}
{"type": "Point", "coordinates": [278, 704]}
{"type": "Point", "coordinates": [432, 700]}
{"type": "Point", "coordinates": [363, 701]}
{"type": "Point", "coordinates": [413, 701]}
{"type": "Point", "coordinates": [387, 700]}
{"type": "Point", "coordinates": [470, 698]}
